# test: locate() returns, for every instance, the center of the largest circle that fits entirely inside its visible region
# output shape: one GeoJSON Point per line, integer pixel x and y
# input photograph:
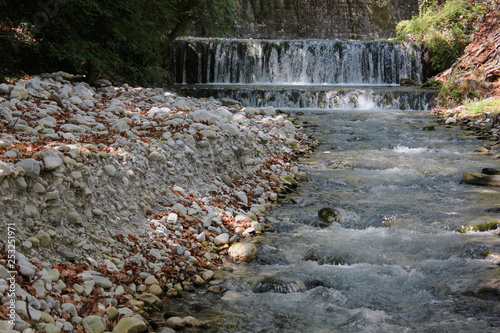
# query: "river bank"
{"type": "Point", "coordinates": [116, 199]}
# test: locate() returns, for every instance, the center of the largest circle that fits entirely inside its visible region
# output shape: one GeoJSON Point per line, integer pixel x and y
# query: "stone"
{"type": "Point", "coordinates": [94, 324]}
{"type": "Point", "coordinates": [301, 176]}
{"type": "Point", "coordinates": [176, 323]}
{"type": "Point", "coordinates": [47, 318]}
{"type": "Point", "coordinates": [52, 162]}
{"type": "Point", "coordinates": [19, 92]}
{"type": "Point", "coordinates": [70, 309]}
{"type": "Point", "coordinates": [74, 218]}
{"type": "Point", "coordinates": [103, 282]}
{"type": "Point", "coordinates": [54, 275]}
{"type": "Point", "coordinates": [4, 89]}
{"type": "Point", "coordinates": [199, 281]}
{"type": "Point", "coordinates": [21, 309]}
{"type": "Point", "coordinates": [30, 166]}
{"type": "Point", "coordinates": [44, 238]}
{"type": "Point", "coordinates": [35, 315]}
{"type": "Point", "coordinates": [227, 180]}
{"type": "Point", "coordinates": [172, 218]}
{"type": "Point", "coordinates": [450, 120]}
{"type": "Point", "coordinates": [119, 291]}
{"type": "Point", "coordinates": [51, 328]}
{"type": "Point", "coordinates": [39, 287]}
{"type": "Point", "coordinates": [208, 275]}
{"type": "Point", "coordinates": [112, 313]}
{"type": "Point", "coordinates": [150, 300]}
{"type": "Point", "coordinates": [244, 252]}
{"type": "Point", "coordinates": [242, 197]}
{"type": "Point", "coordinates": [288, 180]}
{"type": "Point", "coordinates": [474, 178]}
{"type": "Point", "coordinates": [52, 195]}
{"type": "Point", "coordinates": [330, 215]}
{"type": "Point", "coordinates": [151, 279]}
{"type": "Point", "coordinates": [156, 290]}
{"type": "Point", "coordinates": [130, 325]}
{"type": "Point", "coordinates": [68, 255]}
{"type": "Point", "coordinates": [222, 239]}
{"type": "Point", "coordinates": [192, 321]}
{"type": "Point", "coordinates": [110, 170]}
{"type": "Point", "coordinates": [201, 115]}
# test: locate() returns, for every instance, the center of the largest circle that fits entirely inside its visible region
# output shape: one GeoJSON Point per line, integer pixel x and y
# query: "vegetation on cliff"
{"type": "Point", "coordinates": [91, 37]}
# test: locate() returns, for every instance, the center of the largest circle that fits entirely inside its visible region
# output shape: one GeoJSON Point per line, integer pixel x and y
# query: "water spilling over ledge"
{"type": "Point", "coordinates": [247, 61]}
{"type": "Point", "coordinates": [314, 96]}
{"type": "Point", "coordinates": [301, 73]}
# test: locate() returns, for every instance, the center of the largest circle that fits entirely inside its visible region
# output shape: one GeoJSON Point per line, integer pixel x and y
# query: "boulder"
{"type": "Point", "coordinates": [330, 215]}
{"type": "Point", "coordinates": [30, 166]}
{"type": "Point", "coordinates": [243, 252]}
{"type": "Point", "coordinates": [475, 178]}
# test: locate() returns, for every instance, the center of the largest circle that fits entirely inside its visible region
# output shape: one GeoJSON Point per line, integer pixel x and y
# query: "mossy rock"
{"type": "Point", "coordinates": [479, 227]}
{"type": "Point", "coordinates": [330, 215]}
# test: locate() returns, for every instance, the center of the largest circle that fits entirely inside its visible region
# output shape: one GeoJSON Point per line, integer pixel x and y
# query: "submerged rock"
{"type": "Point", "coordinates": [330, 215]}
{"type": "Point", "coordinates": [279, 285]}
{"type": "Point", "coordinates": [479, 227]}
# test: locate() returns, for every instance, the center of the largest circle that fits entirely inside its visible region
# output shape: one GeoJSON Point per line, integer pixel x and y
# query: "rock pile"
{"type": "Point", "coordinates": [115, 199]}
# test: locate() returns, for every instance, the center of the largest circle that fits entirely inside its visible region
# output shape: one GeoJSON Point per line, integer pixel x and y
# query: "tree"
{"type": "Point", "coordinates": [95, 37]}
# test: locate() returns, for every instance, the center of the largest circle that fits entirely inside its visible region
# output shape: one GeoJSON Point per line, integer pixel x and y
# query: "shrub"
{"type": "Point", "coordinates": [444, 31]}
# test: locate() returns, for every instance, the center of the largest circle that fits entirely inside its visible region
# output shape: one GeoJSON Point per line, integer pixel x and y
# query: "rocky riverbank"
{"type": "Point", "coordinates": [116, 199]}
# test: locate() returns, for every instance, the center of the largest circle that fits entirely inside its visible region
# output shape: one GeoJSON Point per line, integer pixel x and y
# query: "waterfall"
{"type": "Point", "coordinates": [288, 70]}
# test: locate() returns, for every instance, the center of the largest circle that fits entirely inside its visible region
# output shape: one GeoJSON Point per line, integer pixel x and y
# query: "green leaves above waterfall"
{"type": "Point", "coordinates": [121, 39]}
{"type": "Point", "coordinates": [444, 27]}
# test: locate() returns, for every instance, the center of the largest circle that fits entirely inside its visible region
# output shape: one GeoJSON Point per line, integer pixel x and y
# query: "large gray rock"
{"type": "Point", "coordinates": [30, 166]}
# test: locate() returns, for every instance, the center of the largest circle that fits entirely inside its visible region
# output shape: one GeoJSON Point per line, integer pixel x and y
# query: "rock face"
{"type": "Point", "coordinates": [325, 19]}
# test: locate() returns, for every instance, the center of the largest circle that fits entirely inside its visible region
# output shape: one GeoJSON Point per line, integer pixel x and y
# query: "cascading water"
{"type": "Point", "coordinates": [301, 73]}
{"type": "Point", "coordinates": [295, 61]}
{"type": "Point", "coordinates": [394, 262]}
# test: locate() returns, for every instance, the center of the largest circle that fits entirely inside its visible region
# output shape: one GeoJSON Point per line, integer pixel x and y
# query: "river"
{"type": "Point", "coordinates": [394, 261]}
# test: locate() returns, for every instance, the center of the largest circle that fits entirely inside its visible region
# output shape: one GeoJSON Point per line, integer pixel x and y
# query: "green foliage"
{"type": "Point", "coordinates": [478, 107]}
{"type": "Point", "coordinates": [120, 39]}
{"type": "Point", "coordinates": [457, 91]}
{"type": "Point", "coordinates": [444, 31]}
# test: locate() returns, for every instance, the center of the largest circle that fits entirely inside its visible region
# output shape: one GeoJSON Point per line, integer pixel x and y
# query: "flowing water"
{"type": "Point", "coordinates": [395, 262]}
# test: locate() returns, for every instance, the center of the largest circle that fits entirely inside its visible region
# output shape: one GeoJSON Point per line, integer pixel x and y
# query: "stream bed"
{"type": "Point", "coordinates": [395, 262]}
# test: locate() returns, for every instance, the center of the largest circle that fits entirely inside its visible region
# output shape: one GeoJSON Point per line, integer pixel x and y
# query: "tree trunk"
{"type": "Point", "coordinates": [179, 28]}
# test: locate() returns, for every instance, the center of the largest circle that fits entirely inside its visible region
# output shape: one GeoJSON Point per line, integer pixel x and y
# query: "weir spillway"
{"type": "Point", "coordinates": [301, 73]}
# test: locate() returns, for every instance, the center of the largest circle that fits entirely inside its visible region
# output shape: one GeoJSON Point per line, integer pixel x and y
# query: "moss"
{"type": "Point", "coordinates": [479, 227]}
